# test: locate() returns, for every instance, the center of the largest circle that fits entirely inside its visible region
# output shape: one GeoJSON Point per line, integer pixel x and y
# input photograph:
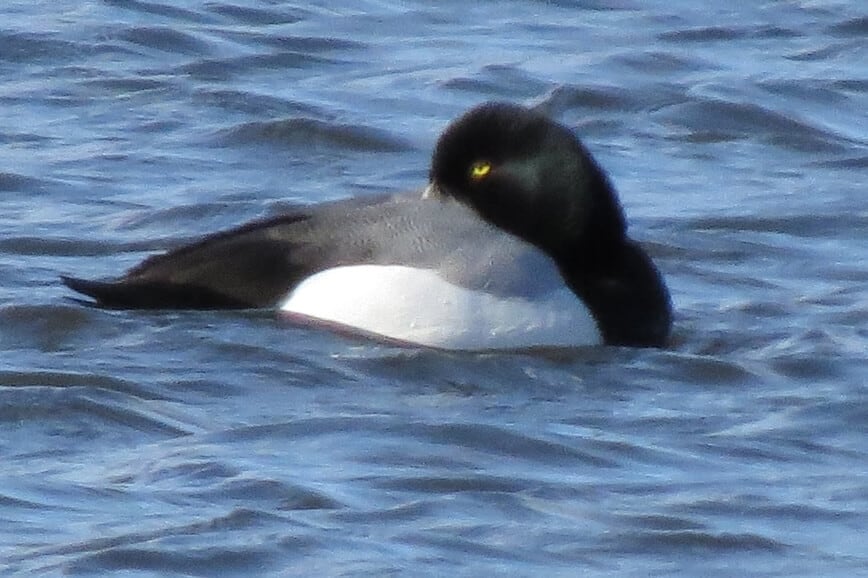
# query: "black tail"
{"type": "Point", "coordinates": [134, 294]}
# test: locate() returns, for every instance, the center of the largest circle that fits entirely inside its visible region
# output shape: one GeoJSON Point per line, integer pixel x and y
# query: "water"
{"type": "Point", "coordinates": [232, 443]}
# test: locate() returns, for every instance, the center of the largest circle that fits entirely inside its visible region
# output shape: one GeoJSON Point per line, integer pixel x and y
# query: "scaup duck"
{"type": "Point", "coordinates": [519, 241]}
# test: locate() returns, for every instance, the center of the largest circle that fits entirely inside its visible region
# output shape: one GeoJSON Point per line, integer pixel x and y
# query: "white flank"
{"type": "Point", "coordinates": [417, 306]}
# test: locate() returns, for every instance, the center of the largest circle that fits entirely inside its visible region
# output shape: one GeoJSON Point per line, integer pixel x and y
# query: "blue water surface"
{"type": "Point", "coordinates": [233, 443]}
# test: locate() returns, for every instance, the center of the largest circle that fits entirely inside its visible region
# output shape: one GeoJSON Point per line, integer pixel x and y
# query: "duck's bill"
{"type": "Point", "coordinates": [432, 191]}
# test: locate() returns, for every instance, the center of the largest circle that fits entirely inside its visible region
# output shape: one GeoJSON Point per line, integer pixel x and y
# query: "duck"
{"type": "Point", "coordinates": [518, 241]}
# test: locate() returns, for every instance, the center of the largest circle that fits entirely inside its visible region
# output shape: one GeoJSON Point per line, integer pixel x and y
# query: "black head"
{"type": "Point", "coordinates": [528, 175]}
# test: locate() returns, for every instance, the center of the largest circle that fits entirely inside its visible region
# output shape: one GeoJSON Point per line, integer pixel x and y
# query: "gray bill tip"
{"type": "Point", "coordinates": [432, 191]}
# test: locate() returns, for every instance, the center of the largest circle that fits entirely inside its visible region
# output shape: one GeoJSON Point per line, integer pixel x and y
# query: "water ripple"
{"type": "Point", "coordinates": [713, 120]}
{"type": "Point", "coordinates": [726, 33]}
{"type": "Point", "coordinates": [158, 9]}
{"type": "Point", "coordinates": [231, 442]}
{"type": "Point", "coordinates": [16, 182]}
{"type": "Point", "coordinates": [35, 48]}
{"type": "Point", "coordinates": [165, 39]}
{"type": "Point", "coordinates": [310, 132]}
{"type": "Point", "coordinates": [854, 27]}
{"type": "Point", "coordinates": [226, 68]}
{"type": "Point", "coordinates": [692, 540]}
{"type": "Point", "coordinates": [257, 16]}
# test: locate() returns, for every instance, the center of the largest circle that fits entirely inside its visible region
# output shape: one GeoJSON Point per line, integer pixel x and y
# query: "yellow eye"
{"type": "Point", "coordinates": [479, 170]}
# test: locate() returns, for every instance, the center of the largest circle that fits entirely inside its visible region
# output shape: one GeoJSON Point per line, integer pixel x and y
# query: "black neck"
{"type": "Point", "coordinates": [624, 292]}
